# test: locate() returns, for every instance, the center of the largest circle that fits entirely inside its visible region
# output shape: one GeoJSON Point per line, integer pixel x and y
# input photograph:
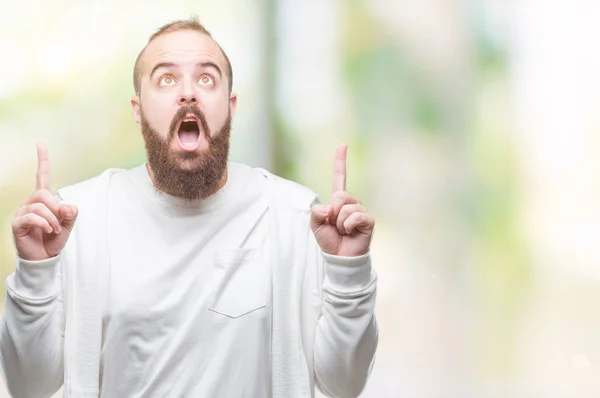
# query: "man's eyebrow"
{"type": "Point", "coordinates": [171, 65]}
{"type": "Point", "coordinates": [210, 65]}
{"type": "Point", "coordinates": [162, 65]}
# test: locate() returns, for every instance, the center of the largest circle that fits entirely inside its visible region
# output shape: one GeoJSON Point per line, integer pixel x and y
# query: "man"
{"type": "Point", "coordinates": [189, 276]}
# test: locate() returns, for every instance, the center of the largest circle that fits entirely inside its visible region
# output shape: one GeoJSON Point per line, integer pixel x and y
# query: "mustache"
{"type": "Point", "coordinates": [182, 113]}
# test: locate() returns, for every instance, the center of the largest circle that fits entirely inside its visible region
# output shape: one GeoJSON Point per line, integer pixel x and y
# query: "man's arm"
{"type": "Point", "coordinates": [31, 338]}
{"type": "Point", "coordinates": [346, 336]}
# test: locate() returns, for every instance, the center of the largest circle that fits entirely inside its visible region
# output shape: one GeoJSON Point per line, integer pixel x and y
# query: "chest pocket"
{"type": "Point", "coordinates": [242, 282]}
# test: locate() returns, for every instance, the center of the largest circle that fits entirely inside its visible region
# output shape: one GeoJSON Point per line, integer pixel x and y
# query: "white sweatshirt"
{"type": "Point", "coordinates": [186, 313]}
{"type": "Point", "coordinates": [187, 304]}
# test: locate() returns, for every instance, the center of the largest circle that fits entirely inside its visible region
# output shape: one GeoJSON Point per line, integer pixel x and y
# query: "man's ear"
{"type": "Point", "coordinates": [232, 103]}
{"type": "Point", "coordinates": [136, 107]}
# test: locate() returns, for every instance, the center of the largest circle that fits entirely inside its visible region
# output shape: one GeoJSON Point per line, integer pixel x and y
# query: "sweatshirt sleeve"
{"type": "Point", "coordinates": [32, 334]}
{"type": "Point", "coordinates": [347, 334]}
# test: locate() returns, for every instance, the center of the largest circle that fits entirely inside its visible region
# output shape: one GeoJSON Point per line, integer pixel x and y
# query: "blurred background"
{"type": "Point", "coordinates": [473, 128]}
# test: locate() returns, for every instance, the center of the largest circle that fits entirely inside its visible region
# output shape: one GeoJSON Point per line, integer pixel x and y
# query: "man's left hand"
{"type": "Point", "coordinates": [343, 227]}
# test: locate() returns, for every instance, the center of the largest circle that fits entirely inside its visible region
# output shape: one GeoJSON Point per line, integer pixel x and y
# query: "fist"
{"type": "Point", "coordinates": [42, 224]}
{"type": "Point", "coordinates": [343, 227]}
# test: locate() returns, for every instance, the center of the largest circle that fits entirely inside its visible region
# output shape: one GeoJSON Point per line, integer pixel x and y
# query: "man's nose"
{"type": "Point", "coordinates": [187, 94]}
{"type": "Point", "coordinates": [187, 99]}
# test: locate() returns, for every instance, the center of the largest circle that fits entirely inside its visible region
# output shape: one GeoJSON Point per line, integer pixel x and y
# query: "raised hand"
{"type": "Point", "coordinates": [42, 224]}
{"type": "Point", "coordinates": [343, 227]}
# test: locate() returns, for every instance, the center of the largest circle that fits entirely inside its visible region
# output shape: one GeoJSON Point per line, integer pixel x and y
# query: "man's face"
{"type": "Point", "coordinates": [184, 108]}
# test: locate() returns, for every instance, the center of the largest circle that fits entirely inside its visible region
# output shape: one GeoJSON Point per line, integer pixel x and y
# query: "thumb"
{"type": "Point", "coordinates": [68, 214]}
{"type": "Point", "coordinates": [319, 215]}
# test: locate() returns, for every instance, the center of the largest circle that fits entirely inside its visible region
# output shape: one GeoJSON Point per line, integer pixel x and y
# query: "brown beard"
{"type": "Point", "coordinates": [204, 170]}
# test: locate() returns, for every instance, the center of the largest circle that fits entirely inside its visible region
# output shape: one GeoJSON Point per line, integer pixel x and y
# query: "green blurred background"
{"type": "Point", "coordinates": [473, 139]}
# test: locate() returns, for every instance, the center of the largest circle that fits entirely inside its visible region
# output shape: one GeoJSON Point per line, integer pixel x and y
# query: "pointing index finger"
{"type": "Point", "coordinates": [339, 168]}
{"type": "Point", "coordinates": [43, 170]}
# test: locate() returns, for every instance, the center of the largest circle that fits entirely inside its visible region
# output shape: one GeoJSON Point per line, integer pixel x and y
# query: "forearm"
{"type": "Point", "coordinates": [31, 342]}
{"type": "Point", "coordinates": [347, 334]}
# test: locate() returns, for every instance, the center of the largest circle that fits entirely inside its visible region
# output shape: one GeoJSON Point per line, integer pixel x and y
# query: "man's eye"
{"type": "Point", "coordinates": [206, 80]}
{"type": "Point", "coordinates": [166, 81]}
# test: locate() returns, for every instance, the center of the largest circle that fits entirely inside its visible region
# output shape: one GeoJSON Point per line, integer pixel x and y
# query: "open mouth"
{"type": "Point", "coordinates": [188, 133]}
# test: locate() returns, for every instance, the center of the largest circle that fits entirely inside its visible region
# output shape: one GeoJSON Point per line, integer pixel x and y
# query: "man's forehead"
{"type": "Point", "coordinates": [184, 45]}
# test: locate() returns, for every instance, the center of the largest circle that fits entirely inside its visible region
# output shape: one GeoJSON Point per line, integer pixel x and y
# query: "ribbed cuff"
{"type": "Point", "coordinates": [35, 279]}
{"type": "Point", "coordinates": [349, 274]}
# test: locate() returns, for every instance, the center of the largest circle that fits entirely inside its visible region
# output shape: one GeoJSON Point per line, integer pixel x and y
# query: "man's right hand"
{"type": "Point", "coordinates": [42, 225]}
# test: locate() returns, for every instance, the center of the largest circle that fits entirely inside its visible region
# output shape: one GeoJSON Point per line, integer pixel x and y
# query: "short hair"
{"type": "Point", "coordinates": [182, 24]}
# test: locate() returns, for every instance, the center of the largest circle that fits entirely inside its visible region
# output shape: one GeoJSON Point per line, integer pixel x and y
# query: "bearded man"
{"type": "Point", "coordinates": [190, 275]}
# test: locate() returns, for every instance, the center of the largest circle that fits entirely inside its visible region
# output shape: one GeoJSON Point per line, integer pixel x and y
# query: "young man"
{"type": "Point", "coordinates": [189, 276]}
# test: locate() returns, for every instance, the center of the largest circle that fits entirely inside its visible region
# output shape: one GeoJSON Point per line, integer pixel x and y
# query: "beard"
{"type": "Point", "coordinates": [189, 175]}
